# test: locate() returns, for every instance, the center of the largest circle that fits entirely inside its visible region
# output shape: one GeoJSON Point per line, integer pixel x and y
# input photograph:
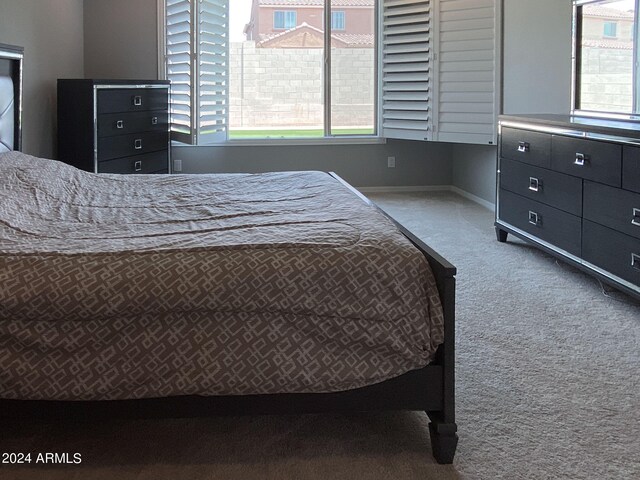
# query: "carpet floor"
{"type": "Point", "coordinates": [548, 386]}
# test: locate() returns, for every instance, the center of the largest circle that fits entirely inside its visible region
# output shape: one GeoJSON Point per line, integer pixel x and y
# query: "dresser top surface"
{"type": "Point", "coordinates": [95, 81]}
{"type": "Point", "coordinates": [627, 128]}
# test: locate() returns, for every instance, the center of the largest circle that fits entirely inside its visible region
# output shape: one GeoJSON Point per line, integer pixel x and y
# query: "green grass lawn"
{"type": "Point", "coordinates": [286, 133]}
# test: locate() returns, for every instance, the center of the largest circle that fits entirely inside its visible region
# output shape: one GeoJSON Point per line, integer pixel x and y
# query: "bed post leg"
{"type": "Point", "coordinates": [444, 441]}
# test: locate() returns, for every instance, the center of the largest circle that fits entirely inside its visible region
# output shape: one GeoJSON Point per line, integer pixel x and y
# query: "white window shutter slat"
{"type": "Point", "coordinates": [406, 60]}
{"type": "Point", "coordinates": [179, 44]}
{"type": "Point", "coordinates": [197, 65]}
{"type": "Point", "coordinates": [212, 70]}
{"type": "Point", "coordinates": [467, 88]}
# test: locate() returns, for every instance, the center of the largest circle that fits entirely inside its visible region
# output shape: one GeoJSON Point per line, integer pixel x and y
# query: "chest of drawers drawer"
{"type": "Point", "coordinates": [547, 223]}
{"type": "Point", "coordinates": [589, 159]}
{"type": "Point", "coordinates": [131, 100]}
{"type": "Point", "coordinates": [134, 144]}
{"type": "Point", "coordinates": [551, 188]}
{"type": "Point", "coordinates": [154, 162]}
{"type": "Point", "coordinates": [631, 168]}
{"type": "Point", "coordinates": [526, 146]}
{"type": "Point", "coordinates": [613, 207]}
{"type": "Point", "coordinates": [111, 124]}
{"type": "Point", "coordinates": [612, 251]}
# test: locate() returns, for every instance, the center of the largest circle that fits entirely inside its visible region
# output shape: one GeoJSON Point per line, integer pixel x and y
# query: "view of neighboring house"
{"type": "Point", "coordinates": [607, 27]}
{"type": "Point", "coordinates": [300, 23]}
{"type": "Point", "coordinates": [607, 65]}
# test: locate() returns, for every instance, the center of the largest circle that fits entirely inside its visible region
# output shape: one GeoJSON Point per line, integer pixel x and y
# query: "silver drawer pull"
{"type": "Point", "coordinates": [137, 101]}
{"type": "Point", "coordinates": [635, 261]}
{"type": "Point", "coordinates": [581, 159]}
{"type": "Point", "coordinates": [535, 219]}
{"type": "Point", "coordinates": [636, 217]}
{"type": "Point", "coordinates": [137, 144]}
{"type": "Point", "coordinates": [535, 184]}
{"type": "Point", "coordinates": [154, 120]}
{"type": "Point", "coordinates": [523, 147]}
{"type": "Point", "coordinates": [120, 124]}
{"type": "Point", "coordinates": [137, 166]}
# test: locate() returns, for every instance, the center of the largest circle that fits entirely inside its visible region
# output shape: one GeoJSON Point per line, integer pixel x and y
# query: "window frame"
{"type": "Point", "coordinates": [327, 139]}
{"type": "Point", "coordinates": [576, 60]}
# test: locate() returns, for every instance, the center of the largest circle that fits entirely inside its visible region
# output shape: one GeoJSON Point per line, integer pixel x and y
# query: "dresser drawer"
{"type": "Point", "coordinates": [612, 251]}
{"type": "Point", "coordinates": [613, 207]}
{"type": "Point", "coordinates": [631, 168]}
{"type": "Point", "coordinates": [155, 162]}
{"type": "Point", "coordinates": [526, 146]}
{"type": "Point", "coordinates": [590, 159]}
{"type": "Point", "coordinates": [131, 122]}
{"type": "Point", "coordinates": [547, 223]}
{"type": "Point", "coordinates": [134, 144]}
{"type": "Point", "coordinates": [131, 100]}
{"type": "Point", "coordinates": [548, 187]}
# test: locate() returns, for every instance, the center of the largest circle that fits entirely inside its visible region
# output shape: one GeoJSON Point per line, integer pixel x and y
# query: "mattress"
{"type": "Point", "coordinates": [138, 286]}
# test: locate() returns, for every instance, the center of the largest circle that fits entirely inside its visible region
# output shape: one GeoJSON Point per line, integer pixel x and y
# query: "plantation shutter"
{"type": "Point", "coordinates": [179, 68]}
{"type": "Point", "coordinates": [212, 70]}
{"type": "Point", "coordinates": [197, 66]}
{"type": "Point", "coordinates": [466, 66]}
{"type": "Point", "coordinates": [406, 72]}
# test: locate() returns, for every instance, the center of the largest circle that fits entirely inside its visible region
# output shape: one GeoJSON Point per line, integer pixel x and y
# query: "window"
{"type": "Point", "coordinates": [606, 59]}
{"type": "Point", "coordinates": [279, 85]}
{"type": "Point", "coordinates": [337, 20]}
{"type": "Point", "coordinates": [610, 29]}
{"type": "Point", "coordinates": [235, 78]}
{"type": "Point", "coordinates": [284, 20]}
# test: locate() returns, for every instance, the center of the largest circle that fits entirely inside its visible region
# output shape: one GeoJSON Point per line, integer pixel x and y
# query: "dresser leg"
{"type": "Point", "coordinates": [501, 235]}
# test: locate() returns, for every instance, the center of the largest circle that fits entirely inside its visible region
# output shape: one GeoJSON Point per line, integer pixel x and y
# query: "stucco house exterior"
{"type": "Point", "coordinates": [300, 23]}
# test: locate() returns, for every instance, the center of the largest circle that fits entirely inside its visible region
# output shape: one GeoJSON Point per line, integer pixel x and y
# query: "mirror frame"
{"type": "Point", "coordinates": [576, 30]}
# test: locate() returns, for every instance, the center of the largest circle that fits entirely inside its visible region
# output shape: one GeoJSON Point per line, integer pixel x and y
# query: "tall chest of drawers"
{"type": "Point", "coordinates": [114, 126]}
{"type": "Point", "coordinates": [571, 185]}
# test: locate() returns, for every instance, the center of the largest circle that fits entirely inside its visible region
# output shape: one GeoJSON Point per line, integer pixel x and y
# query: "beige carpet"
{"type": "Point", "coordinates": [548, 386]}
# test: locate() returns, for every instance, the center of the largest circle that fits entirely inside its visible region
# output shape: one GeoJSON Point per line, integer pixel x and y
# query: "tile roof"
{"type": "Point", "coordinates": [318, 3]}
{"type": "Point", "coordinates": [606, 43]}
{"type": "Point", "coordinates": [597, 11]}
{"type": "Point", "coordinates": [350, 40]}
{"type": "Point", "coordinates": [356, 39]}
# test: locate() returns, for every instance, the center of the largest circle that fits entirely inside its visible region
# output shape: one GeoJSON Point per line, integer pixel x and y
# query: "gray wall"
{"type": "Point", "coordinates": [536, 78]}
{"type": "Point", "coordinates": [474, 170]}
{"type": "Point", "coordinates": [537, 56]}
{"type": "Point", "coordinates": [121, 39]}
{"type": "Point", "coordinates": [417, 163]}
{"type": "Point", "coordinates": [51, 33]}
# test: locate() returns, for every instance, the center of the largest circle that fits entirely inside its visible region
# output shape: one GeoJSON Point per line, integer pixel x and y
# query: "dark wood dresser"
{"type": "Point", "coordinates": [114, 126]}
{"type": "Point", "coordinates": [571, 185]}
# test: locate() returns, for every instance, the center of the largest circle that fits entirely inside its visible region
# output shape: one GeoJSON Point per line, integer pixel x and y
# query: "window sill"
{"type": "Point", "coordinates": [270, 142]}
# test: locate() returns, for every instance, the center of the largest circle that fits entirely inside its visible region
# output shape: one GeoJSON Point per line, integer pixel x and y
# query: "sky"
{"type": "Point", "coordinates": [626, 5]}
{"type": "Point", "coordinates": [240, 13]}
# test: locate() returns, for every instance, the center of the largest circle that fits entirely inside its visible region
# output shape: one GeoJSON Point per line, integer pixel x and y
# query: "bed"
{"type": "Point", "coordinates": [188, 295]}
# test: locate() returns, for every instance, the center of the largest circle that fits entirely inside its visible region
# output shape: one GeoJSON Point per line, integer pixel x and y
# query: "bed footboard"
{"type": "Point", "coordinates": [443, 428]}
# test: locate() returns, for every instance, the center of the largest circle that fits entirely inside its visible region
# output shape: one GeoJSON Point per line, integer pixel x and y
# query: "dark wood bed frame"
{"type": "Point", "coordinates": [429, 389]}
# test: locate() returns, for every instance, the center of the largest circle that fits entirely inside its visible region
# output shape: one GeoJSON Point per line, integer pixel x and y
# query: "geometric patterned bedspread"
{"type": "Point", "coordinates": [116, 287]}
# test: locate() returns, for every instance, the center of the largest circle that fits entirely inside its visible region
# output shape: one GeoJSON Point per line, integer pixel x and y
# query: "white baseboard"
{"type": "Point", "coordinates": [431, 188]}
{"type": "Point", "coordinates": [474, 198]}
{"type": "Point", "coordinates": [414, 188]}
